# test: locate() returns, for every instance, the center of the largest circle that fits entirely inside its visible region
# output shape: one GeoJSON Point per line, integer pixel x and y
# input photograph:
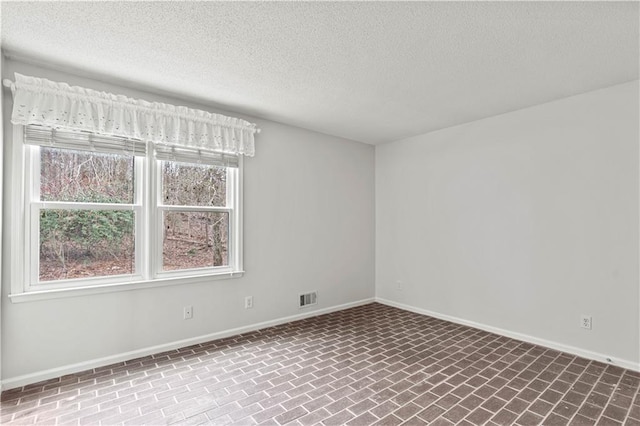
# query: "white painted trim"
{"type": "Point", "coordinates": [107, 287]}
{"type": "Point", "coordinates": [1, 204]}
{"type": "Point", "coordinates": [238, 228]}
{"type": "Point", "coordinates": [14, 382]}
{"type": "Point", "coordinates": [518, 336]}
{"type": "Point", "coordinates": [25, 214]}
{"type": "Point", "coordinates": [18, 268]}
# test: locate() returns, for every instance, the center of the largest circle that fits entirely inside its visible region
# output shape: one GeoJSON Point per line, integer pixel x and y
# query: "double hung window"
{"type": "Point", "coordinates": [196, 209]}
{"type": "Point", "coordinates": [104, 210]}
{"type": "Point", "coordinates": [83, 206]}
{"type": "Point", "coordinates": [108, 192]}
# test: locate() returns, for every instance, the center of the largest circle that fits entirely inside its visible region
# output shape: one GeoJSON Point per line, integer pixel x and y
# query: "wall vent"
{"type": "Point", "coordinates": [308, 299]}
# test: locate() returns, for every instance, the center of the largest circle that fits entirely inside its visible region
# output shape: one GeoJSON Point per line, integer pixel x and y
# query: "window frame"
{"type": "Point", "coordinates": [232, 194]}
{"type": "Point", "coordinates": [24, 244]}
{"type": "Point", "coordinates": [33, 206]}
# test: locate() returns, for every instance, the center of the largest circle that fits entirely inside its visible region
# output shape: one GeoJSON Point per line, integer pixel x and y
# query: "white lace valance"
{"type": "Point", "coordinates": [58, 105]}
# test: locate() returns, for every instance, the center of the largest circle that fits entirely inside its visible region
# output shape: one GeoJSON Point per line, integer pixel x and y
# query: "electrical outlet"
{"type": "Point", "coordinates": [399, 285]}
{"type": "Point", "coordinates": [585, 322]}
{"type": "Point", "coordinates": [248, 302]}
{"type": "Point", "coordinates": [188, 312]}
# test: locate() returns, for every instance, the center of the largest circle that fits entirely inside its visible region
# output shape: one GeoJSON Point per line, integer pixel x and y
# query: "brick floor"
{"type": "Point", "coordinates": [372, 364]}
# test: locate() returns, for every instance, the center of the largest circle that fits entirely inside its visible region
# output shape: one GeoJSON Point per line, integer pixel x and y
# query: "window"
{"type": "Point", "coordinates": [85, 211]}
{"type": "Point", "coordinates": [195, 209]}
{"type": "Point", "coordinates": [101, 211]}
{"type": "Point", "coordinates": [108, 192]}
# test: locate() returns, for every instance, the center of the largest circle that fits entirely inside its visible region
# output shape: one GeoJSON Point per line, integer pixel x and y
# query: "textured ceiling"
{"type": "Point", "coordinates": [371, 72]}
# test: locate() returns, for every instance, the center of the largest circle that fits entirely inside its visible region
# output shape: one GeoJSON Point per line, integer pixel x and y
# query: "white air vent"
{"type": "Point", "coordinates": [308, 299]}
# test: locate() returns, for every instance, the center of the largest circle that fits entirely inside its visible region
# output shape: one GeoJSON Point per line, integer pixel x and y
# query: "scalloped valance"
{"type": "Point", "coordinates": [59, 105]}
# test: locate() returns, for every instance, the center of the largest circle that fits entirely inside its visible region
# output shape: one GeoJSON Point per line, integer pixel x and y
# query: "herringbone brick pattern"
{"type": "Point", "coordinates": [368, 365]}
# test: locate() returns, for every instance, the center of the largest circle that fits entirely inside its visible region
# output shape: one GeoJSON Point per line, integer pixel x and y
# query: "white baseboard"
{"type": "Point", "coordinates": [14, 382]}
{"type": "Point", "coordinates": [26, 379]}
{"type": "Point", "coordinates": [518, 336]}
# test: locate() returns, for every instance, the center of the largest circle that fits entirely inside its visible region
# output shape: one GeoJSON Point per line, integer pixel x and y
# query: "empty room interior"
{"type": "Point", "coordinates": [320, 213]}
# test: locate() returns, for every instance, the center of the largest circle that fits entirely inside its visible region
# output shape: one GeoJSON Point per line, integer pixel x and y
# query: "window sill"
{"type": "Point", "coordinates": [110, 288]}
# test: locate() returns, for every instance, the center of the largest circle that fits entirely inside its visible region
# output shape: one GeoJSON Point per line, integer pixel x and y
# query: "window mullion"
{"type": "Point", "coordinates": [194, 209]}
{"type": "Point", "coordinates": [154, 226]}
{"type": "Point", "coordinates": [141, 217]}
{"type": "Point", "coordinates": [148, 233]}
{"type": "Point", "coordinates": [72, 205]}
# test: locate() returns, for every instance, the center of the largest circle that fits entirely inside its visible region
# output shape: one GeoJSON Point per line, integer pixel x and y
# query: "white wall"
{"type": "Point", "coordinates": [520, 222]}
{"type": "Point", "coordinates": [308, 225]}
{"type": "Point", "coordinates": [1, 206]}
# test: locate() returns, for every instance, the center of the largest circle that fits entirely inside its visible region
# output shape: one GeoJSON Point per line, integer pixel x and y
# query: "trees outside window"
{"type": "Point", "coordinates": [76, 242]}
{"type": "Point", "coordinates": [197, 238]}
{"type": "Point", "coordinates": [107, 213]}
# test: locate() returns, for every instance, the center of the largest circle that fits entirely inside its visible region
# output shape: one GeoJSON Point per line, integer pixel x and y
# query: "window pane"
{"type": "Point", "coordinates": [195, 240]}
{"type": "Point", "coordinates": [86, 243]}
{"type": "Point", "coordinates": [83, 176]}
{"type": "Point", "coordinates": [186, 184]}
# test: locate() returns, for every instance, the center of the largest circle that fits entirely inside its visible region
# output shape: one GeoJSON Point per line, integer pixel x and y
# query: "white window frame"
{"type": "Point", "coordinates": [24, 215]}
{"type": "Point", "coordinates": [232, 193]}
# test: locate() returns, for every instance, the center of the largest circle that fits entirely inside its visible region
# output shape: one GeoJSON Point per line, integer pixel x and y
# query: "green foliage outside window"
{"type": "Point", "coordinates": [86, 234]}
